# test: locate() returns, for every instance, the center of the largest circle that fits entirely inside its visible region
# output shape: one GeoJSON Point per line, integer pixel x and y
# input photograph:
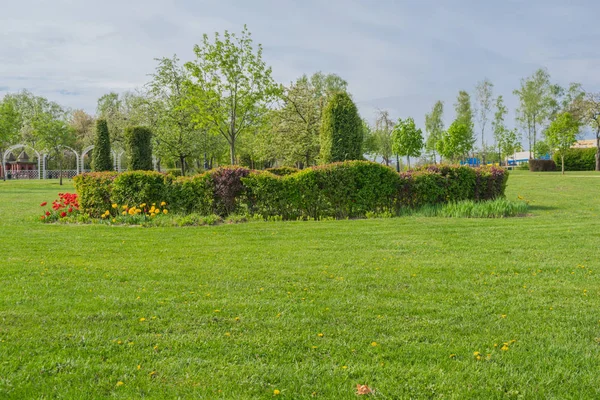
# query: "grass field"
{"type": "Point", "coordinates": [309, 309]}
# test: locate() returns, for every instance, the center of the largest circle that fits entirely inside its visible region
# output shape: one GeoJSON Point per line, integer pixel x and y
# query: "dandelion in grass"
{"type": "Point", "coordinates": [120, 383]}
{"type": "Point", "coordinates": [142, 319]}
{"type": "Point", "coordinates": [276, 392]}
{"type": "Point", "coordinates": [374, 344]}
{"type": "Point", "coordinates": [320, 335]}
{"type": "Point", "coordinates": [504, 347]}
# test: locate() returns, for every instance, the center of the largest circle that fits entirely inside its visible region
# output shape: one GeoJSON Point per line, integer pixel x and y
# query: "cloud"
{"type": "Point", "coordinates": [400, 56]}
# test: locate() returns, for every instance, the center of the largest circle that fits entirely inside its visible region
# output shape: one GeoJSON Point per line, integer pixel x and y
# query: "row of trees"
{"type": "Point", "coordinates": [225, 107]}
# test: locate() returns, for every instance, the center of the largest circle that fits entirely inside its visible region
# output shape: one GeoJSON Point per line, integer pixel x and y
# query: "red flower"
{"type": "Point", "coordinates": [43, 204]}
{"type": "Point", "coordinates": [43, 217]}
{"type": "Point", "coordinates": [63, 214]}
{"type": "Point", "coordinates": [70, 209]}
{"type": "Point", "coordinates": [47, 213]}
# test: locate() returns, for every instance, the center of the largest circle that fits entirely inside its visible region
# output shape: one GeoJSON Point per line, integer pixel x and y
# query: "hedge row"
{"type": "Point", "coordinates": [348, 189]}
{"type": "Point", "coordinates": [578, 159]}
{"type": "Point", "coordinates": [542, 165]}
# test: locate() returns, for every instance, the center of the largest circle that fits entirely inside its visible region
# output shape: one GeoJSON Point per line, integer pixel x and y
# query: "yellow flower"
{"type": "Point", "coordinates": [162, 204]}
{"type": "Point", "coordinates": [165, 211]}
{"type": "Point", "coordinates": [152, 209]}
{"type": "Point", "coordinates": [142, 319]}
{"type": "Point", "coordinates": [124, 213]}
{"type": "Point", "coordinates": [320, 335]}
{"type": "Point", "coordinates": [115, 205]}
{"type": "Point", "coordinates": [227, 334]}
{"type": "Point", "coordinates": [344, 367]}
{"type": "Point", "coordinates": [124, 207]}
{"type": "Point", "coordinates": [139, 367]}
{"type": "Point", "coordinates": [374, 344]}
{"type": "Point", "coordinates": [120, 383]}
{"type": "Point", "coordinates": [157, 210]}
{"type": "Point", "coordinates": [505, 347]}
{"type": "Point", "coordinates": [452, 355]}
{"type": "Point", "coordinates": [276, 392]}
{"type": "Point", "coordinates": [142, 205]}
{"type": "Point", "coordinates": [103, 216]}
{"type": "Point", "coordinates": [476, 353]}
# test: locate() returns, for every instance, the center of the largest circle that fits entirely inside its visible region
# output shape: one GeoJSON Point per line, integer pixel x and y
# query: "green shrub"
{"type": "Point", "coordinates": [101, 152]}
{"type": "Point", "coordinates": [95, 192]}
{"type": "Point", "coordinates": [282, 171]}
{"type": "Point", "coordinates": [138, 147]}
{"type": "Point", "coordinates": [174, 172]}
{"type": "Point", "coordinates": [193, 194]}
{"type": "Point", "coordinates": [542, 165]}
{"type": "Point", "coordinates": [341, 133]}
{"type": "Point", "coordinates": [137, 187]}
{"type": "Point", "coordinates": [578, 159]}
{"type": "Point", "coordinates": [349, 189]}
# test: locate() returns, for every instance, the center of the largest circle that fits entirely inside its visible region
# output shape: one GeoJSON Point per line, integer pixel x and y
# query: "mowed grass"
{"type": "Point", "coordinates": [306, 308]}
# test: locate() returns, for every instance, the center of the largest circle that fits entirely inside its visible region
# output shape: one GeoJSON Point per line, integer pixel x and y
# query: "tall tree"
{"type": "Point", "coordinates": [483, 107]}
{"type": "Point", "coordinates": [83, 125]}
{"type": "Point", "coordinates": [498, 124]}
{"type": "Point", "coordinates": [138, 146]}
{"type": "Point", "coordinates": [382, 133]}
{"type": "Point", "coordinates": [10, 126]}
{"type": "Point", "coordinates": [341, 130]}
{"type": "Point", "coordinates": [296, 124]}
{"type": "Point", "coordinates": [456, 142]}
{"type": "Point", "coordinates": [407, 139]}
{"type": "Point", "coordinates": [464, 113]}
{"type": "Point", "coordinates": [101, 152]}
{"type": "Point", "coordinates": [592, 119]}
{"type": "Point", "coordinates": [177, 134]}
{"type": "Point", "coordinates": [535, 104]}
{"type": "Point", "coordinates": [52, 129]}
{"type": "Point", "coordinates": [434, 126]}
{"type": "Point", "coordinates": [231, 85]}
{"type": "Point", "coordinates": [112, 108]}
{"type": "Point", "coordinates": [369, 140]}
{"type": "Point", "coordinates": [562, 133]}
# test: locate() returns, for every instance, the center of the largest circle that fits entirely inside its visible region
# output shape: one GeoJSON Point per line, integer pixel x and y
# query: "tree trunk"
{"type": "Point", "coordinates": [60, 169]}
{"type": "Point", "coordinates": [232, 152]}
{"type": "Point", "coordinates": [182, 161]}
{"type": "Point", "coordinates": [562, 160]}
{"type": "Point", "coordinates": [408, 161]}
{"type": "Point", "coordinates": [397, 163]}
{"type": "Point", "coordinates": [598, 149]}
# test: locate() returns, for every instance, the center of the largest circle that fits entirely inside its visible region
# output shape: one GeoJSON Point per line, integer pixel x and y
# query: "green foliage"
{"type": "Point", "coordinates": [456, 142]}
{"type": "Point", "coordinates": [499, 208]}
{"type": "Point", "coordinates": [281, 171]}
{"type": "Point", "coordinates": [562, 134]}
{"type": "Point", "coordinates": [231, 86]}
{"type": "Point", "coordinates": [541, 165]}
{"type": "Point", "coordinates": [193, 194]}
{"type": "Point", "coordinates": [101, 153]}
{"type": "Point", "coordinates": [578, 159]}
{"type": "Point", "coordinates": [464, 112]}
{"type": "Point", "coordinates": [434, 126]}
{"type": "Point", "coordinates": [10, 122]}
{"type": "Point", "coordinates": [341, 130]}
{"type": "Point", "coordinates": [95, 192]}
{"type": "Point", "coordinates": [136, 187]}
{"type": "Point", "coordinates": [407, 139]}
{"type": "Point", "coordinates": [138, 147]}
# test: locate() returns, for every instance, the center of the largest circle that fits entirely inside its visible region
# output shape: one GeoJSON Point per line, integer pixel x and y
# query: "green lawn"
{"type": "Point", "coordinates": [236, 311]}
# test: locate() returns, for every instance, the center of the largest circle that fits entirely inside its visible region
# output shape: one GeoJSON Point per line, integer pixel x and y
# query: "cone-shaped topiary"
{"type": "Point", "coordinates": [138, 146]}
{"type": "Point", "coordinates": [341, 130]}
{"type": "Point", "coordinates": [101, 154]}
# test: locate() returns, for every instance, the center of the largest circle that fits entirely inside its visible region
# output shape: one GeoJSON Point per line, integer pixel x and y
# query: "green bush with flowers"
{"type": "Point", "coordinates": [350, 189]}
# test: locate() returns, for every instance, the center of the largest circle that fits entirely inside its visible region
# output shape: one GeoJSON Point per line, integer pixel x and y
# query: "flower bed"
{"type": "Point", "coordinates": [352, 189]}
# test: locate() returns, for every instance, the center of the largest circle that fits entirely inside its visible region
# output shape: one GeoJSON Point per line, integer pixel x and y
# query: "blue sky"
{"type": "Point", "coordinates": [396, 55]}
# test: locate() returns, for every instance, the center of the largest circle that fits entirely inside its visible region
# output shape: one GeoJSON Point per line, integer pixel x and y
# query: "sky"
{"type": "Point", "coordinates": [400, 56]}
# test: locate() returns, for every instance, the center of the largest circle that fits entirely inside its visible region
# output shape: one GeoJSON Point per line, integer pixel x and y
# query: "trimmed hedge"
{"type": "Point", "coordinates": [542, 165]}
{"type": "Point", "coordinates": [282, 171]}
{"type": "Point", "coordinates": [350, 189]}
{"type": "Point", "coordinates": [578, 159]}
{"type": "Point", "coordinates": [94, 190]}
{"type": "Point", "coordinates": [101, 153]}
{"type": "Point", "coordinates": [138, 147]}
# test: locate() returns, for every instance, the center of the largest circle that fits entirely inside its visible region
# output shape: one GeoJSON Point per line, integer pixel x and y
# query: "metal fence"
{"type": "Point", "coordinates": [55, 174]}
{"type": "Point", "coordinates": [31, 174]}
